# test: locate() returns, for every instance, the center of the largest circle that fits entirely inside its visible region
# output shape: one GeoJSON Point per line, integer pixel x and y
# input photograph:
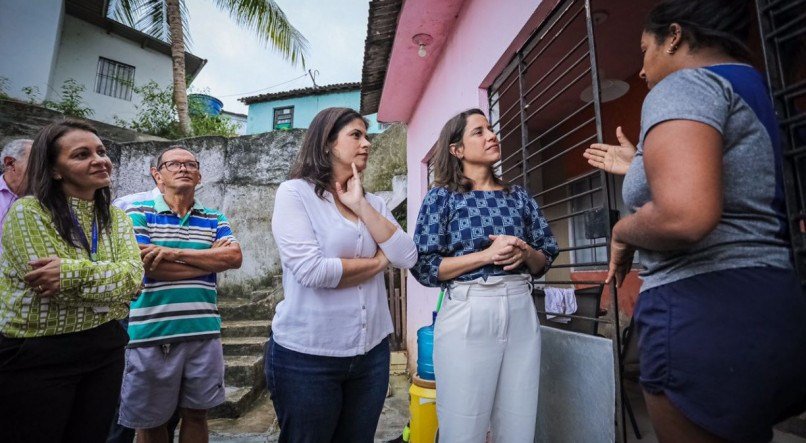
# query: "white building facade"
{"type": "Point", "coordinates": [44, 43]}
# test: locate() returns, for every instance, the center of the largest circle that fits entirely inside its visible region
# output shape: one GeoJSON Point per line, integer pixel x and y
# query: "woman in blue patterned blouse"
{"type": "Point", "coordinates": [482, 241]}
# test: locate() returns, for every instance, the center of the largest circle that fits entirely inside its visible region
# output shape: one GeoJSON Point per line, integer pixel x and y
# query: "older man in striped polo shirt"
{"type": "Point", "coordinates": [175, 354]}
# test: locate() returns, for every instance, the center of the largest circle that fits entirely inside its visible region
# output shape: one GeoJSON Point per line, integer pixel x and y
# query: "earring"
{"type": "Point", "coordinates": [671, 50]}
{"type": "Point", "coordinates": [57, 177]}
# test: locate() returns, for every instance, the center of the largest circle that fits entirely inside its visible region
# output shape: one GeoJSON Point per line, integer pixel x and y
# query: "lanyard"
{"type": "Point", "coordinates": [93, 250]}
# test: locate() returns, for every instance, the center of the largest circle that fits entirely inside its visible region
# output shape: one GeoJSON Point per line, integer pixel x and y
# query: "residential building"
{"type": "Point", "coordinates": [296, 108]}
{"type": "Point", "coordinates": [46, 42]}
{"type": "Point", "coordinates": [553, 76]}
{"type": "Point", "coordinates": [238, 120]}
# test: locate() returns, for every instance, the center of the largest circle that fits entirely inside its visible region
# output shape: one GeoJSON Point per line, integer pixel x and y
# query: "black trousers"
{"type": "Point", "coordinates": [61, 388]}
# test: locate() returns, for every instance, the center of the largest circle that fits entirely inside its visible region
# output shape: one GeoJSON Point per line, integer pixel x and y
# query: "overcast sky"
{"type": "Point", "coordinates": [237, 63]}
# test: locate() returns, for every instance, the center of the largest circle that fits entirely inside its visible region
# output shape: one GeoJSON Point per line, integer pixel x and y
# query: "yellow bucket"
{"type": "Point", "coordinates": [423, 409]}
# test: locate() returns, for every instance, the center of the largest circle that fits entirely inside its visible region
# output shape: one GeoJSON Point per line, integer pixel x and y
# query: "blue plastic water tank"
{"type": "Point", "coordinates": [425, 350]}
{"type": "Point", "coordinates": [207, 103]}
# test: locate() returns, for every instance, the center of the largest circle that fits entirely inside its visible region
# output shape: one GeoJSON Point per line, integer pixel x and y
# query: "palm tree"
{"type": "Point", "coordinates": [263, 17]}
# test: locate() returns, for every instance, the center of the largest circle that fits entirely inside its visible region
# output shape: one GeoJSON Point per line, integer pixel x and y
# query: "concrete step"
{"type": "Point", "coordinates": [245, 309]}
{"type": "Point", "coordinates": [245, 328]}
{"type": "Point", "coordinates": [243, 345]}
{"type": "Point", "coordinates": [239, 400]}
{"type": "Point", "coordinates": [244, 370]}
{"type": "Point", "coordinates": [251, 427]}
{"type": "Point", "coordinates": [397, 363]}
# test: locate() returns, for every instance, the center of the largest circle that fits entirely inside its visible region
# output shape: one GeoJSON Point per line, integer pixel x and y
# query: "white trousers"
{"type": "Point", "coordinates": [487, 361]}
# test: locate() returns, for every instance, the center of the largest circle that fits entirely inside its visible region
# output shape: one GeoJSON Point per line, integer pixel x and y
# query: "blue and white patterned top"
{"type": "Point", "coordinates": [453, 224]}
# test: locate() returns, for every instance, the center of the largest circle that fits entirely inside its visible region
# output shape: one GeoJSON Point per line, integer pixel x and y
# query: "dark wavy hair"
{"type": "Point", "coordinates": [41, 184]}
{"type": "Point", "coordinates": [448, 171]}
{"type": "Point", "coordinates": [724, 24]}
{"type": "Point", "coordinates": [314, 163]}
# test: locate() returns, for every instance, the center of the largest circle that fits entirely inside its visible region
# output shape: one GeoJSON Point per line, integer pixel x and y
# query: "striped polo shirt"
{"type": "Point", "coordinates": [180, 310]}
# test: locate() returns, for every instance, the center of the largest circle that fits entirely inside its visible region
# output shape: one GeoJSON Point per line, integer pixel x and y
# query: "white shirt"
{"type": "Point", "coordinates": [127, 201]}
{"type": "Point", "coordinates": [312, 237]}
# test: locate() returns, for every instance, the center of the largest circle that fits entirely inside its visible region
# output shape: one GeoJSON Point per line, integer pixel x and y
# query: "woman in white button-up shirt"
{"type": "Point", "coordinates": [327, 363]}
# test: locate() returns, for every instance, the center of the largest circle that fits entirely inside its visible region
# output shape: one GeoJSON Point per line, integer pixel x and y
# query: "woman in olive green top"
{"type": "Point", "coordinates": [70, 266]}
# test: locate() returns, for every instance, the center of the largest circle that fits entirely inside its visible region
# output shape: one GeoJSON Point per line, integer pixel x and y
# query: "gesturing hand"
{"type": "Point", "coordinates": [153, 255]}
{"type": "Point", "coordinates": [353, 196]}
{"type": "Point", "coordinates": [507, 251]}
{"type": "Point", "coordinates": [614, 159]}
{"type": "Point", "coordinates": [45, 277]}
{"type": "Point", "coordinates": [621, 255]}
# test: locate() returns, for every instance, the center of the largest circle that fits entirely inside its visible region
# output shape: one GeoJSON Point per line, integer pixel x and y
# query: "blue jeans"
{"type": "Point", "coordinates": [327, 399]}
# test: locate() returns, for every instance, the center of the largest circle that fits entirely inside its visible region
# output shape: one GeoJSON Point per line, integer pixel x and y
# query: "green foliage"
{"type": "Point", "coordinates": [264, 18]}
{"type": "Point", "coordinates": [32, 93]}
{"type": "Point", "coordinates": [71, 103]}
{"type": "Point", "coordinates": [156, 115]}
{"type": "Point", "coordinates": [203, 124]}
{"type": "Point", "coordinates": [4, 87]}
{"type": "Point", "coordinates": [387, 159]}
{"type": "Point", "coordinates": [400, 215]}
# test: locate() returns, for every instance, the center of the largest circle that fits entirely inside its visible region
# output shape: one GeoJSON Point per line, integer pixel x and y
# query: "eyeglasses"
{"type": "Point", "coordinates": [175, 166]}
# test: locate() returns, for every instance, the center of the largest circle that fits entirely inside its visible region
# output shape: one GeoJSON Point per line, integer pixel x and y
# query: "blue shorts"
{"type": "Point", "coordinates": [728, 348]}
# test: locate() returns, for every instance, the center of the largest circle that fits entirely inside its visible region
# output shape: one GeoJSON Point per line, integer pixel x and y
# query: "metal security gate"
{"type": "Point", "coordinates": [782, 24]}
{"type": "Point", "coordinates": [396, 297]}
{"type": "Point", "coordinates": [546, 107]}
{"type": "Point", "coordinates": [544, 126]}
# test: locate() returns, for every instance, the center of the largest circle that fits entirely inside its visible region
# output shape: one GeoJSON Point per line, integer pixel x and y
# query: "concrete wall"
{"type": "Point", "coordinates": [29, 38]}
{"type": "Point", "coordinates": [261, 115]}
{"type": "Point", "coordinates": [81, 45]}
{"type": "Point", "coordinates": [239, 177]}
{"type": "Point", "coordinates": [23, 120]}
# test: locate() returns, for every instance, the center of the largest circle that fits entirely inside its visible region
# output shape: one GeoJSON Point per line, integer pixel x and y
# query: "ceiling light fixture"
{"type": "Point", "coordinates": [599, 16]}
{"type": "Point", "coordinates": [609, 89]}
{"type": "Point", "coordinates": [422, 40]}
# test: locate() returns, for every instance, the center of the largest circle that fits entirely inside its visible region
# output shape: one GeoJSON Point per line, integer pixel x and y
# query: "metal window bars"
{"type": "Point", "coordinates": [114, 79]}
{"type": "Point", "coordinates": [544, 127]}
{"type": "Point", "coordinates": [783, 37]}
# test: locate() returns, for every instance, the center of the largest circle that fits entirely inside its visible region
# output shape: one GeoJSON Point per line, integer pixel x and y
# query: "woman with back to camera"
{"type": "Point", "coordinates": [483, 241]}
{"type": "Point", "coordinates": [721, 320]}
{"type": "Point", "coordinates": [70, 266]}
{"type": "Point", "coordinates": [327, 362]}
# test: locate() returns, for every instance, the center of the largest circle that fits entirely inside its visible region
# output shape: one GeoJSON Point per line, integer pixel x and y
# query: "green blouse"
{"type": "Point", "coordinates": [92, 293]}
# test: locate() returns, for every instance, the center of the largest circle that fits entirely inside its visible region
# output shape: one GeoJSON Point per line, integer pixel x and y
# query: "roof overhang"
{"type": "Point", "coordinates": [302, 92]}
{"type": "Point", "coordinates": [381, 28]}
{"type": "Point", "coordinates": [406, 70]}
{"type": "Point", "coordinates": [95, 12]}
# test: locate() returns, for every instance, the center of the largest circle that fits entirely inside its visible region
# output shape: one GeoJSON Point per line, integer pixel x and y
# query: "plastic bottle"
{"type": "Point", "coordinates": [425, 350]}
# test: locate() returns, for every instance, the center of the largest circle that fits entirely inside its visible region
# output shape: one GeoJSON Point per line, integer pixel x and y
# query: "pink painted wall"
{"type": "Point", "coordinates": [483, 39]}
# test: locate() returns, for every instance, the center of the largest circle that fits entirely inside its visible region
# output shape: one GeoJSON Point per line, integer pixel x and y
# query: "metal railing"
{"type": "Point", "coordinates": [396, 297]}
{"type": "Point", "coordinates": [783, 37]}
{"type": "Point", "coordinates": [536, 111]}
